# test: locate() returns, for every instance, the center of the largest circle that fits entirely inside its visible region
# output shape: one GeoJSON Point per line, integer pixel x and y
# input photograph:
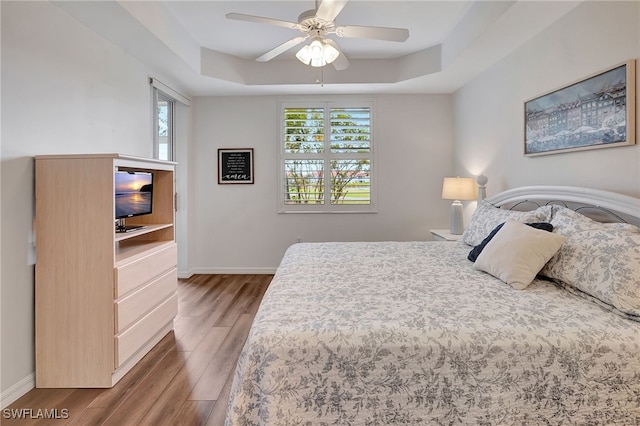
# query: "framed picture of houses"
{"type": "Point", "coordinates": [595, 112]}
{"type": "Point", "coordinates": [235, 165]}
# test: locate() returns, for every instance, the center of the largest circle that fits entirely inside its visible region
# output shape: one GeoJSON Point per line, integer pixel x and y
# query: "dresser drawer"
{"type": "Point", "coordinates": [142, 300]}
{"type": "Point", "coordinates": [132, 339]}
{"type": "Point", "coordinates": [134, 274]}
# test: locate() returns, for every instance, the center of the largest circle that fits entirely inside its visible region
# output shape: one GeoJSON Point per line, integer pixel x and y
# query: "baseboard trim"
{"type": "Point", "coordinates": [185, 274]}
{"type": "Point", "coordinates": [235, 271]}
{"type": "Point", "coordinates": [12, 394]}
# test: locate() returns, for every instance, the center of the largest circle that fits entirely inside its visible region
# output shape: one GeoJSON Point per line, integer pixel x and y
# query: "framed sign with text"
{"type": "Point", "coordinates": [235, 165]}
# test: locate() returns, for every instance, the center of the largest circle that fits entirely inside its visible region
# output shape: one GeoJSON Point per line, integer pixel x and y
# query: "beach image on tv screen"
{"type": "Point", "coordinates": [133, 194]}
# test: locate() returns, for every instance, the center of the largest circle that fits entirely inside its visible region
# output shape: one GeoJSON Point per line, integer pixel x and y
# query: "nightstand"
{"type": "Point", "coordinates": [443, 235]}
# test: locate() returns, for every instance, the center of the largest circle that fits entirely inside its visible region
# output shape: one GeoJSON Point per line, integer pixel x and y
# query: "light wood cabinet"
{"type": "Point", "coordinates": [103, 299]}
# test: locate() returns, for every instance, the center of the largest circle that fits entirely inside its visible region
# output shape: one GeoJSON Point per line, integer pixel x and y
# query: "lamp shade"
{"type": "Point", "coordinates": [304, 55]}
{"type": "Point", "coordinates": [457, 188]}
{"type": "Point", "coordinates": [329, 53]}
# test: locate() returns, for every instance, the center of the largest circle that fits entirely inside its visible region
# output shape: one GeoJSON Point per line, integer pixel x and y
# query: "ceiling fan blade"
{"type": "Point", "coordinates": [281, 49]}
{"type": "Point", "coordinates": [329, 9]}
{"type": "Point", "coordinates": [376, 33]}
{"type": "Point", "coordinates": [341, 62]}
{"type": "Point", "coordinates": [263, 20]}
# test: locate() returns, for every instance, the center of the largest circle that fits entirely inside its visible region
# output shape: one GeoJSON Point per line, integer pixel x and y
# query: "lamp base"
{"type": "Point", "coordinates": [456, 227]}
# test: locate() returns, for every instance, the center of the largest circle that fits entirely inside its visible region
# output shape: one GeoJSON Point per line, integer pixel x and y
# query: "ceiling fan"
{"type": "Point", "coordinates": [316, 24]}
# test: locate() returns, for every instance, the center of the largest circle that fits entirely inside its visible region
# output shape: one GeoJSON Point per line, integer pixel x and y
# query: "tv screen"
{"type": "Point", "coordinates": [133, 193]}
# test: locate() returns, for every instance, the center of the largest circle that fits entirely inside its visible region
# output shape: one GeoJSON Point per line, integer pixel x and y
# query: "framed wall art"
{"type": "Point", "coordinates": [595, 112]}
{"type": "Point", "coordinates": [235, 165]}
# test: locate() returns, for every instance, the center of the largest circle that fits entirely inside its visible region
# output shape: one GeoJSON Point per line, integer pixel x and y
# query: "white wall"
{"type": "Point", "coordinates": [184, 157]}
{"type": "Point", "coordinates": [64, 90]}
{"type": "Point", "coordinates": [238, 228]}
{"type": "Point", "coordinates": [67, 90]}
{"type": "Point", "coordinates": [488, 112]}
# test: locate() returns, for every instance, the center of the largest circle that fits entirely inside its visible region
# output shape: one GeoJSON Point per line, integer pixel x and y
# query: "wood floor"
{"type": "Point", "coordinates": [184, 380]}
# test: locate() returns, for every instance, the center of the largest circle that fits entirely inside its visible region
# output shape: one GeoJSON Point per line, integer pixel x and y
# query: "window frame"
{"type": "Point", "coordinates": [327, 156]}
{"type": "Point", "coordinates": [159, 95]}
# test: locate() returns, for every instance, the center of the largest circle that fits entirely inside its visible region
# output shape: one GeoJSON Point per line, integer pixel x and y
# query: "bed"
{"type": "Point", "coordinates": [376, 333]}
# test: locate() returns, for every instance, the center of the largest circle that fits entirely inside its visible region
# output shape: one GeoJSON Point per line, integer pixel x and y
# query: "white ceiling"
{"type": "Point", "coordinates": [201, 52]}
{"type": "Point", "coordinates": [429, 22]}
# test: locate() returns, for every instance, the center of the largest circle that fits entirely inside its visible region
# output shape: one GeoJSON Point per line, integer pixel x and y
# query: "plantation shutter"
{"type": "Point", "coordinates": [326, 158]}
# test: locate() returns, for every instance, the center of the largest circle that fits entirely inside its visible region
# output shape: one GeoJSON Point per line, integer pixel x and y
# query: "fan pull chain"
{"type": "Point", "coordinates": [320, 80]}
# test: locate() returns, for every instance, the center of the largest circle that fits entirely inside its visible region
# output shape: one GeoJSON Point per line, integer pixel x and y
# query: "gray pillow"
{"type": "Point", "coordinates": [487, 217]}
{"type": "Point", "coordinates": [599, 259]}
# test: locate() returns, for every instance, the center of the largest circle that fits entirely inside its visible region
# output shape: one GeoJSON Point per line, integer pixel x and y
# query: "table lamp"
{"type": "Point", "coordinates": [457, 189]}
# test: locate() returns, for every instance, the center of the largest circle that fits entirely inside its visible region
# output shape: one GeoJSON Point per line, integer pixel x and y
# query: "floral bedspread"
{"type": "Point", "coordinates": [408, 333]}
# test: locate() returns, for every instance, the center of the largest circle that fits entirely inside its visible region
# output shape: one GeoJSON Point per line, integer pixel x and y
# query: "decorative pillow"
{"type": "Point", "coordinates": [517, 252]}
{"type": "Point", "coordinates": [599, 259]}
{"type": "Point", "coordinates": [475, 252]}
{"type": "Point", "coordinates": [565, 219]}
{"type": "Point", "coordinates": [487, 217]}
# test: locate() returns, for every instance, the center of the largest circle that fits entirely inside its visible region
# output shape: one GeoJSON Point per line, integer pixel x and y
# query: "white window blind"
{"type": "Point", "coordinates": [326, 157]}
{"type": "Point", "coordinates": [163, 136]}
{"type": "Point", "coordinates": [169, 92]}
{"type": "Point", "coordinates": [164, 118]}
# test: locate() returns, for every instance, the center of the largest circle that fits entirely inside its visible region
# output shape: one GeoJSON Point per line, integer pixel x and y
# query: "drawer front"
{"type": "Point", "coordinates": [128, 342]}
{"type": "Point", "coordinates": [138, 272]}
{"type": "Point", "coordinates": [141, 301]}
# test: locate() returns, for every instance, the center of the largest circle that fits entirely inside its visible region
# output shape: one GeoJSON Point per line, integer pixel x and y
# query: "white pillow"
{"type": "Point", "coordinates": [487, 216]}
{"type": "Point", "coordinates": [517, 253]}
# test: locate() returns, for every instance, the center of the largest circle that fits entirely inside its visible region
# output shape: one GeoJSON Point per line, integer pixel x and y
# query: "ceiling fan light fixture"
{"type": "Point", "coordinates": [304, 55]}
{"type": "Point", "coordinates": [317, 62]}
{"type": "Point", "coordinates": [317, 53]}
{"type": "Point", "coordinates": [316, 49]}
{"type": "Point", "coordinates": [330, 53]}
{"type": "Point", "coordinates": [315, 24]}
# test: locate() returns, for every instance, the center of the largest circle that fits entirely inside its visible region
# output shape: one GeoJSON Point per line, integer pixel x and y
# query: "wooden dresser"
{"type": "Point", "coordinates": [103, 299]}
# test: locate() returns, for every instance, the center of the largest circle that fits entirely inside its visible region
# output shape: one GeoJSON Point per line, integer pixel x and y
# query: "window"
{"type": "Point", "coordinates": [165, 110]}
{"type": "Point", "coordinates": [163, 135]}
{"type": "Point", "coordinates": [326, 157]}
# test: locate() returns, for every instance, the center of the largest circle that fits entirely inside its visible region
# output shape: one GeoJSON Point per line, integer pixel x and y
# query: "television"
{"type": "Point", "coordinates": [133, 193]}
